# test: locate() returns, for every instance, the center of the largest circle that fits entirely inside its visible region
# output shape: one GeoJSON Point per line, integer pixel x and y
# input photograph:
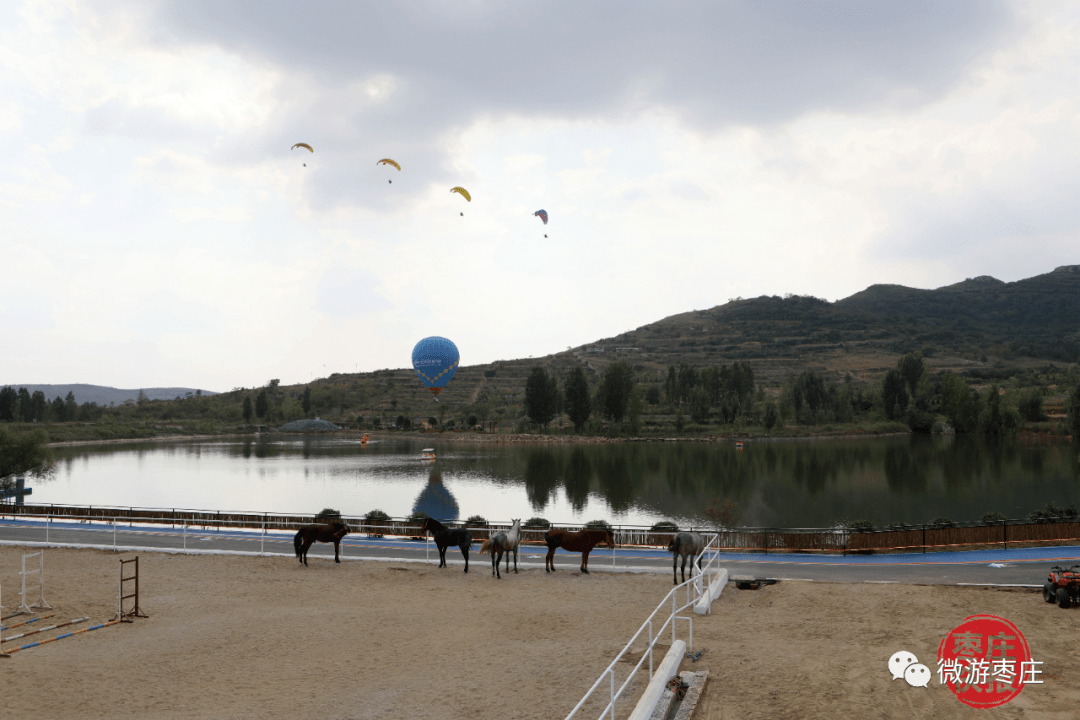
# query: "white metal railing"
{"type": "Point", "coordinates": [693, 588]}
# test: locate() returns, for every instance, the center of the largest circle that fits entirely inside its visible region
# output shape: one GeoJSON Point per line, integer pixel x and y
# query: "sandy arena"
{"type": "Point", "coordinates": [240, 637]}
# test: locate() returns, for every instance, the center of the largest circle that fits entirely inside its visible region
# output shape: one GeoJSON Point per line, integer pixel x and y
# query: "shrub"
{"type": "Point", "coordinates": [418, 517]}
{"type": "Point", "coordinates": [476, 521]}
{"type": "Point", "coordinates": [858, 526]}
{"type": "Point", "coordinates": [1050, 512]}
{"type": "Point", "coordinates": [328, 514]}
{"type": "Point", "coordinates": [941, 522]}
{"type": "Point", "coordinates": [664, 526]}
{"type": "Point", "coordinates": [901, 526]}
{"type": "Point", "coordinates": [990, 517]}
{"type": "Point", "coordinates": [537, 522]}
{"type": "Point", "coordinates": [597, 525]}
{"type": "Point", "coordinates": [375, 515]}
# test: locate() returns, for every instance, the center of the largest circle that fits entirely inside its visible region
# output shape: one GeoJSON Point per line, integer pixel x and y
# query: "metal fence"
{"type": "Point", "coordinates": [693, 590]}
{"type": "Point", "coordinates": [918, 538]}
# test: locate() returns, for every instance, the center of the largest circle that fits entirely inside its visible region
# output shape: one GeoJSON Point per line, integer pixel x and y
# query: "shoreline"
{"type": "Point", "coordinates": [482, 438]}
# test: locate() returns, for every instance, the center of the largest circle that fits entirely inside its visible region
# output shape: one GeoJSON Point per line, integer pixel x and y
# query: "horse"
{"type": "Point", "coordinates": [685, 544]}
{"type": "Point", "coordinates": [503, 543]}
{"type": "Point", "coordinates": [331, 532]}
{"type": "Point", "coordinates": [445, 537]}
{"type": "Point", "coordinates": [583, 541]}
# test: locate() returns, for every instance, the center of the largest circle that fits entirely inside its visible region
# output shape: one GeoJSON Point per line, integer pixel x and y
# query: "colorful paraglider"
{"type": "Point", "coordinates": [303, 145]}
{"type": "Point", "coordinates": [435, 360]}
{"type": "Point", "coordinates": [464, 193]}
{"type": "Point", "coordinates": [542, 214]}
{"type": "Point", "coordinates": [388, 161]}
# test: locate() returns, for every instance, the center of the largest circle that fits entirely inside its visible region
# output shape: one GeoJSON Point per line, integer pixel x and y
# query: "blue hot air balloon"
{"type": "Point", "coordinates": [435, 360]}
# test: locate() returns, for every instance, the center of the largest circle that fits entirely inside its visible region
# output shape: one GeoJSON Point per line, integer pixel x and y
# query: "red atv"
{"type": "Point", "coordinates": [1063, 585]}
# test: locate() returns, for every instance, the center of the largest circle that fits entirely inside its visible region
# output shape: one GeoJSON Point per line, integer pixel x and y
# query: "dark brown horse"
{"type": "Point", "coordinates": [583, 541]}
{"type": "Point", "coordinates": [331, 532]}
{"type": "Point", "coordinates": [445, 537]}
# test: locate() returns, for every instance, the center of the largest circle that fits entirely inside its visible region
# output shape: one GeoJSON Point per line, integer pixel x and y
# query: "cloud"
{"type": "Point", "coordinates": [346, 291]}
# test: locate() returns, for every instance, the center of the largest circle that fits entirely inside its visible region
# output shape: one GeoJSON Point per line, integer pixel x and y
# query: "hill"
{"type": "Point", "coordinates": [103, 395]}
{"type": "Point", "coordinates": [981, 327]}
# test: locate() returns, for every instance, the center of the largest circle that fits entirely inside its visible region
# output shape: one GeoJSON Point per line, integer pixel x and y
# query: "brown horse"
{"type": "Point", "coordinates": [331, 532]}
{"type": "Point", "coordinates": [583, 541]}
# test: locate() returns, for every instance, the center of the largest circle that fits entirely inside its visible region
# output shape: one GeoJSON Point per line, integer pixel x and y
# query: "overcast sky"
{"type": "Point", "coordinates": [157, 230]}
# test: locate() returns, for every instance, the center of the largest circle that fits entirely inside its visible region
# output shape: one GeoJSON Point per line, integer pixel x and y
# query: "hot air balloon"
{"type": "Point", "coordinates": [542, 214]}
{"type": "Point", "coordinates": [435, 360]}
{"type": "Point", "coordinates": [388, 161]}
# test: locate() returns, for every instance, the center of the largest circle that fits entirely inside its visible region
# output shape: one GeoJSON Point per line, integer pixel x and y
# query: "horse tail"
{"type": "Point", "coordinates": [297, 541]}
{"type": "Point", "coordinates": [487, 547]}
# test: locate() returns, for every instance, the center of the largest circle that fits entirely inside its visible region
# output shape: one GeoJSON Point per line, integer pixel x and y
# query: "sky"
{"type": "Point", "coordinates": [157, 229]}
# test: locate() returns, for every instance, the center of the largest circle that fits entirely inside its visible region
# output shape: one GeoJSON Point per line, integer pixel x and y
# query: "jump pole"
{"type": "Point", "coordinates": [46, 629]}
{"type": "Point", "coordinates": [40, 572]}
{"type": "Point", "coordinates": [2, 653]}
{"type": "Point", "coordinates": [61, 637]}
{"type": "Point", "coordinates": [135, 611]}
{"type": "Point", "coordinates": [12, 627]}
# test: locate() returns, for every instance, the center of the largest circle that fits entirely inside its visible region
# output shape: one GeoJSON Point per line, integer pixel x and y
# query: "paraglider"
{"type": "Point", "coordinates": [388, 161]}
{"type": "Point", "coordinates": [464, 193]}
{"type": "Point", "coordinates": [435, 360]}
{"type": "Point", "coordinates": [542, 214]}
{"type": "Point", "coordinates": [303, 145]}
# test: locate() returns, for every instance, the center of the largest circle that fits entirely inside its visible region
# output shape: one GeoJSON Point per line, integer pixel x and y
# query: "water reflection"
{"type": "Point", "coordinates": [435, 500]}
{"type": "Point", "coordinates": [782, 484]}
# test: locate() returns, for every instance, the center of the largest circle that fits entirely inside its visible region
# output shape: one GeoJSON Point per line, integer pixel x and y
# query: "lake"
{"type": "Point", "coordinates": [775, 483]}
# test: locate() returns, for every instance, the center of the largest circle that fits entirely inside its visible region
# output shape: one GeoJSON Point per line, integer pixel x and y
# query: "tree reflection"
{"type": "Point", "coordinates": [541, 477]}
{"type": "Point", "coordinates": [578, 479]}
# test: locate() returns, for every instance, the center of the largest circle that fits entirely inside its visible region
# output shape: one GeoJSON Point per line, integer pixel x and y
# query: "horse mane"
{"type": "Point", "coordinates": [434, 525]}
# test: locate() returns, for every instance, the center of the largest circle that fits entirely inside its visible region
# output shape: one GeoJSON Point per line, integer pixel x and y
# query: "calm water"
{"type": "Point", "coordinates": [778, 484]}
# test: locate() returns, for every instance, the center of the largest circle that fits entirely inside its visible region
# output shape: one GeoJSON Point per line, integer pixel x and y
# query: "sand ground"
{"type": "Point", "coordinates": [240, 637]}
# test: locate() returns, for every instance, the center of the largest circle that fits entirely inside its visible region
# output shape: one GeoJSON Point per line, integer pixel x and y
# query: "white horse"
{"type": "Point", "coordinates": [685, 544]}
{"type": "Point", "coordinates": [501, 543]}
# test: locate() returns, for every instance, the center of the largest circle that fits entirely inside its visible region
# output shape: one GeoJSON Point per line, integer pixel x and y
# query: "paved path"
{"type": "Point", "coordinates": [1023, 567]}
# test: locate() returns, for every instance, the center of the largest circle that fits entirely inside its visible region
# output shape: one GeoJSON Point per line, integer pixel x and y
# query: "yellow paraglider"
{"type": "Point", "coordinates": [463, 192]}
{"type": "Point", "coordinates": [303, 145]}
{"type": "Point", "coordinates": [388, 161]}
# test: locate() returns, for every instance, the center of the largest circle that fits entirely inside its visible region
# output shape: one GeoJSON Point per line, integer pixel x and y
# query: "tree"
{"type": "Point", "coordinates": [997, 420]}
{"type": "Point", "coordinates": [23, 453]}
{"type": "Point", "coordinates": [262, 404]}
{"type": "Point", "coordinates": [911, 369]}
{"type": "Point", "coordinates": [306, 402]}
{"type": "Point", "coordinates": [959, 403]}
{"type": "Point", "coordinates": [71, 406]}
{"type": "Point", "coordinates": [578, 402]}
{"type": "Point", "coordinates": [613, 395]}
{"type": "Point", "coordinates": [1031, 407]}
{"type": "Point", "coordinates": [541, 397]}
{"type": "Point", "coordinates": [652, 395]}
{"type": "Point", "coordinates": [38, 403]}
{"type": "Point", "coordinates": [26, 405]}
{"type": "Point", "coordinates": [699, 405]}
{"type": "Point", "coordinates": [894, 394]}
{"type": "Point", "coordinates": [9, 403]}
{"type": "Point", "coordinates": [247, 409]}
{"type": "Point", "coordinates": [1074, 412]}
{"type": "Point", "coordinates": [58, 410]}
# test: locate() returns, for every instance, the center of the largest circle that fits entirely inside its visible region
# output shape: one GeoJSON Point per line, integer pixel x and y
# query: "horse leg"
{"type": "Point", "coordinates": [684, 568]}
{"type": "Point", "coordinates": [497, 559]}
{"type": "Point", "coordinates": [305, 547]}
{"type": "Point", "coordinates": [465, 554]}
{"type": "Point", "coordinates": [675, 568]}
{"type": "Point", "coordinates": [550, 560]}
{"type": "Point", "coordinates": [515, 562]}
{"type": "Point", "coordinates": [336, 559]}
{"type": "Point", "coordinates": [442, 556]}
{"type": "Point", "coordinates": [585, 561]}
